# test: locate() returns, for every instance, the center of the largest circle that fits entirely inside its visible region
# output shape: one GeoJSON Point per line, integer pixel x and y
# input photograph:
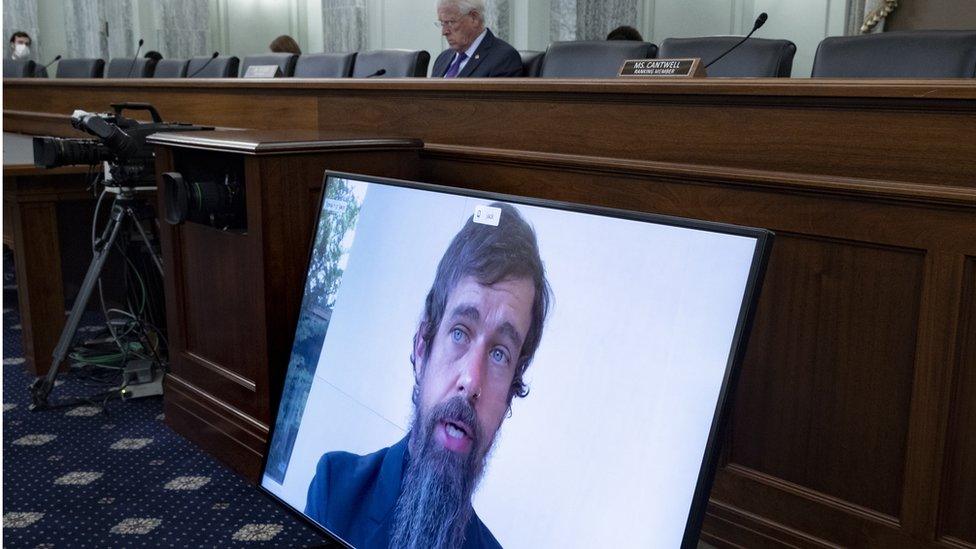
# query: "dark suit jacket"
{"type": "Point", "coordinates": [494, 57]}
{"type": "Point", "coordinates": [353, 497]}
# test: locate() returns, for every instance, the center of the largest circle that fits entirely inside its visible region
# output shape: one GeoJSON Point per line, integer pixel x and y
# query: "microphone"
{"type": "Point", "coordinates": [760, 21]}
{"type": "Point", "coordinates": [42, 71]}
{"type": "Point", "coordinates": [134, 57]}
{"type": "Point", "coordinates": [53, 61]}
{"type": "Point", "coordinates": [380, 72]}
{"type": "Point", "coordinates": [212, 57]}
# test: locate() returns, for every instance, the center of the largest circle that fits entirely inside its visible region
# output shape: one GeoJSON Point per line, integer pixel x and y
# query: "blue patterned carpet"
{"type": "Point", "coordinates": [84, 477]}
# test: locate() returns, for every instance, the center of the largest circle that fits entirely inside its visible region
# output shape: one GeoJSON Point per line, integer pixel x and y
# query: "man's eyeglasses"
{"type": "Point", "coordinates": [447, 24]}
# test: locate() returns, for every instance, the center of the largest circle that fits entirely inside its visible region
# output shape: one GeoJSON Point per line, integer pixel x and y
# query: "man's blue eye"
{"type": "Point", "coordinates": [499, 355]}
{"type": "Point", "coordinates": [457, 335]}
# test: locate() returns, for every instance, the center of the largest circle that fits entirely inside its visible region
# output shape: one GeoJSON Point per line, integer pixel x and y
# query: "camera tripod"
{"type": "Point", "coordinates": [127, 210]}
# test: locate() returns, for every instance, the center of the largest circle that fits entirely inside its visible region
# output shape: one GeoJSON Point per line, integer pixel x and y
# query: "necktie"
{"type": "Point", "coordinates": [455, 67]}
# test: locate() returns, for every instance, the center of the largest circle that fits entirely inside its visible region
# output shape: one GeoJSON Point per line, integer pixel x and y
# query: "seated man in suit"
{"type": "Point", "coordinates": [481, 326]}
{"type": "Point", "coordinates": [474, 51]}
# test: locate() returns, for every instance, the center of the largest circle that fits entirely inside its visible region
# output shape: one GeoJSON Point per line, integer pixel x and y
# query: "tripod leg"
{"type": "Point", "coordinates": [42, 386]}
{"type": "Point", "coordinates": [145, 240]}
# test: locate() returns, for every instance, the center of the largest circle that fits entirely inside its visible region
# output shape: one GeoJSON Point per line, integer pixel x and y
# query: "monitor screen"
{"type": "Point", "coordinates": [477, 370]}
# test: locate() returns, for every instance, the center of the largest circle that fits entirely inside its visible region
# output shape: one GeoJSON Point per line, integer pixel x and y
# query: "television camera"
{"type": "Point", "coordinates": [128, 169]}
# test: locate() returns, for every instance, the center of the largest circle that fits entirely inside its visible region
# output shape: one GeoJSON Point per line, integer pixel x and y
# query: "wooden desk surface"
{"type": "Point", "coordinates": [854, 422]}
{"type": "Point", "coordinates": [260, 142]}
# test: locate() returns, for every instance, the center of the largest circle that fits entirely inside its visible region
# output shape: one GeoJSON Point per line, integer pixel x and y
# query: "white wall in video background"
{"type": "Point", "coordinates": [606, 449]}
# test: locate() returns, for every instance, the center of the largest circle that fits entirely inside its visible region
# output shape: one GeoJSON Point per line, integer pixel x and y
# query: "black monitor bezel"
{"type": "Point", "coordinates": [750, 298]}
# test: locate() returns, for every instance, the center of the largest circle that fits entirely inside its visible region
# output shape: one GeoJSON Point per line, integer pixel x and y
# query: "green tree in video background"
{"type": "Point", "coordinates": [333, 238]}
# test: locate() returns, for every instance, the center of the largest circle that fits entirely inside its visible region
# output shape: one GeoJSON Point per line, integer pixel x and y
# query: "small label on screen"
{"type": "Point", "coordinates": [335, 206]}
{"type": "Point", "coordinates": [486, 215]}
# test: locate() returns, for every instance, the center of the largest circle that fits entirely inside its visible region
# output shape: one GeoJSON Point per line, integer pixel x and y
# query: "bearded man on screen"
{"type": "Point", "coordinates": [482, 323]}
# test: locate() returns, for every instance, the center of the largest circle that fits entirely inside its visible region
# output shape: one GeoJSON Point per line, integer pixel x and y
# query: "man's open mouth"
{"type": "Point", "coordinates": [456, 430]}
{"type": "Point", "coordinates": [454, 436]}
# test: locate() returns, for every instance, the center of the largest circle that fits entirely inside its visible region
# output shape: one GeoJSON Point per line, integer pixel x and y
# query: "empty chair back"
{"type": "Point", "coordinates": [80, 68]}
{"type": "Point", "coordinates": [325, 65]}
{"type": "Point", "coordinates": [284, 61]}
{"type": "Point", "coordinates": [905, 54]}
{"type": "Point", "coordinates": [19, 68]}
{"type": "Point", "coordinates": [122, 67]}
{"type": "Point", "coordinates": [171, 68]}
{"type": "Point", "coordinates": [394, 63]}
{"type": "Point", "coordinates": [592, 59]}
{"type": "Point", "coordinates": [212, 67]}
{"type": "Point", "coordinates": [531, 62]}
{"type": "Point", "coordinates": [756, 57]}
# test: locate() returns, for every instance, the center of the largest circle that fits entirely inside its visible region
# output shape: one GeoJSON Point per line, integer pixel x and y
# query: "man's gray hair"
{"type": "Point", "coordinates": [466, 7]}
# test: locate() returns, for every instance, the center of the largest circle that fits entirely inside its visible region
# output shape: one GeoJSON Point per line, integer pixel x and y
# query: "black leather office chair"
{"type": "Point", "coordinates": [19, 68]}
{"type": "Point", "coordinates": [903, 54]}
{"type": "Point", "coordinates": [592, 59]}
{"type": "Point", "coordinates": [210, 67]}
{"type": "Point", "coordinates": [396, 63]}
{"type": "Point", "coordinates": [285, 62]}
{"type": "Point", "coordinates": [531, 62]}
{"type": "Point", "coordinates": [756, 57]}
{"type": "Point", "coordinates": [80, 68]}
{"type": "Point", "coordinates": [127, 67]}
{"type": "Point", "coordinates": [325, 65]}
{"type": "Point", "coordinates": [171, 68]}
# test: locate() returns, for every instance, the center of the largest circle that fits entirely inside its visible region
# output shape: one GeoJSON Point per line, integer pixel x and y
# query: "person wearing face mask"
{"type": "Point", "coordinates": [20, 43]}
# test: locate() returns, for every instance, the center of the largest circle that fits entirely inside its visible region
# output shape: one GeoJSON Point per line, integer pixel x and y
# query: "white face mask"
{"type": "Point", "coordinates": [21, 51]}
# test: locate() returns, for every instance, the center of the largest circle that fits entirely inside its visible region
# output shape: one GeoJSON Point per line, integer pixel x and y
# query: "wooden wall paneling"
{"type": "Point", "coordinates": [938, 342]}
{"type": "Point", "coordinates": [723, 528]}
{"type": "Point", "coordinates": [958, 495]}
{"type": "Point", "coordinates": [824, 392]}
{"type": "Point", "coordinates": [221, 430]}
{"type": "Point", "coordinates": [843, 128]}
{"type": "Point", "coordinates": [31, 200]}
{"type": "Point", "coordinates": [235, 108]}
{"type": "Point", "coordinates": [40, 291]}
{"type": "Point", "coordinates": [859, 210]}
{"type": "Point", "coordinates": [751, 500]}
{"type": "Point", "coordinates": [224, 430]}
{"type": "Point", "coordinates": [735, 132]}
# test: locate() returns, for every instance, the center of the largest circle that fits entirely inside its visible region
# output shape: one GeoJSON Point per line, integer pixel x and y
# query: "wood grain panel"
{"type": "Point", "coordinates": [214, 426]}
{"type": "Point", "coordinates": [823, 396]}
{"type": "Point", "coordinates": [775, 200]}
{"type": "Point", "coordinates": [40, 292]}
{"type": "Point", "coordinates": [958, 505]}
{"type": "Point", "coordinates": [34, 203]}
{"type": "Point", "coordinates": [865, 128]}
{"type": "Point", "coordinates": [222, 292]}
{"type": "Point", "coordinates": [235, 109]}
{"type": "Point", "coordinates": [779, 137]}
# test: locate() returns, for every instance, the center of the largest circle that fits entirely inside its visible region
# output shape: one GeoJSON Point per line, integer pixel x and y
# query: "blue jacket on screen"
{"type": "Point", "coordinates": [353, 497]}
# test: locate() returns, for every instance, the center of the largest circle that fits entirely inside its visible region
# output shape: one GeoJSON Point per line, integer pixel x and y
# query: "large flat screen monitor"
{"type": "Point", "coordinates": [477, 370]}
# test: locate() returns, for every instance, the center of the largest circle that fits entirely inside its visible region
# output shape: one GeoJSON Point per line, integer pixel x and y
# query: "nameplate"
{"type": "Point", "coordinates": [262, 71]}
{"type": "Point", "coordinates": [662, 68]}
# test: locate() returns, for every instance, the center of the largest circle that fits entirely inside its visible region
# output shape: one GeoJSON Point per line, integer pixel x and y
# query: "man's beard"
{"type": "Point", "coordinates": [435, 498]}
